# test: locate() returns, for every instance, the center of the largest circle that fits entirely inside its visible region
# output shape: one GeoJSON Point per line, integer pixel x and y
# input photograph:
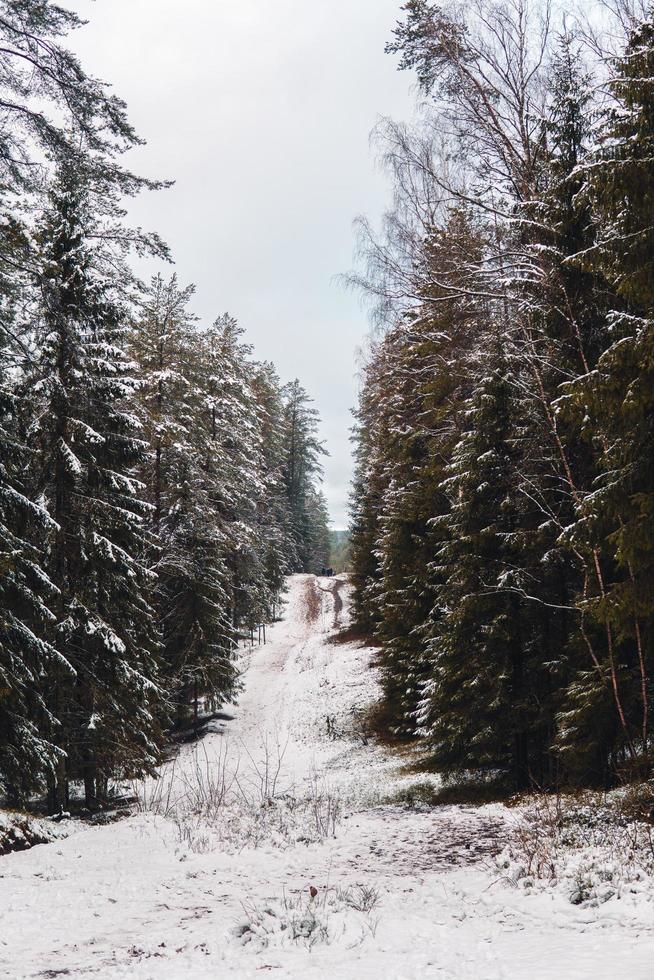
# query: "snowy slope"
{"type": "Point", "coordinates": [201, 892]}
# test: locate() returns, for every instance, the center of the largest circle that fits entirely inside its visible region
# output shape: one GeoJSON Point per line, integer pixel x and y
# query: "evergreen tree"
{"type": "Point", "coordinates": [366, 501]}
{"type": "Point", "coordinates": [237, 460]}
{"type": "Point", "coordinates": [414, 386]}
{"type": "Point", "coordinates": [486, 702]}
{"type": "Point", "coordinates": [199, 635]}
{"type": "Point", "coordinates": [302, 466]}
{"type": "Point", "coordinates": [533, 274]}
{"type": "Point", "coordinates": [27, 754]}
{"type": "Point", "coordinates": [89, 448]}
{"type": "Point", "coordinates": [408, 425]}
{"type": "Point", "coordinates": [364, 511]}
{"type": "Point", "coordinates": [148, 517]}
{"type": "Point", "coordinates": [214, 423]}
{"type": "Point", "coordinates": [274, 518]}
{"type": "Point", "coordinates": [161, 344]}
{"type": "Point", "coordinates": [188, 538]}
{"type": "Point", "coordinates": [318, 544]}
{"type": "Point", "coordinates": [54, 114]}
{"type": "Point", "coordinates": [614, 408]}
{"type": "Point", "coordinates": [562, 338]}
{"type": "Point", "coordinates": [34, 62]}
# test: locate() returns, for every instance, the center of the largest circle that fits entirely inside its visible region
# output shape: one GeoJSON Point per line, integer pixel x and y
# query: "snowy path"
{"type": "Point", "coordinates": [134, 900]}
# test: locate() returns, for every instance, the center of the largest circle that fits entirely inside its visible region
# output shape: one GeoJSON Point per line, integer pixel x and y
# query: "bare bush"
{"type": "Point", "coordinates": [261, 781]}
{"type": "Point", "coordinates": [586, 845]}
{"type": "Point", "coordinates": [240, 802]}
{"type": "Point", "coordinates": [324, 807]}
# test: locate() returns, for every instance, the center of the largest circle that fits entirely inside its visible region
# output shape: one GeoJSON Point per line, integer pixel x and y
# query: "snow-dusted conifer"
{"type": "Point", "coordinates": [27, 752]}
{"type": "Point", "coordinates": [89, 447]}
{"type": "Point", "coordinates": [613, 406]}
{"type": "Point", "coordinates": [274, 519]}
{"type": "Point", "coordinates": [485, 694]}
{"type": "Point", "coordinates": [302, 467]}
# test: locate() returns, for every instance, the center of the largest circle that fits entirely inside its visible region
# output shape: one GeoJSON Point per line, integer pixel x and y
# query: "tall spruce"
{"type": "Point", "coordinates": [302, 467]}
{"type": "Point", "coordinates": [486, 698]}
{"type": "Point", "coordinates": [27, 752]}
{"type": "Point", "coordinates": [89, 448]}
{"type": "Point", "coordinates": [614, 409]}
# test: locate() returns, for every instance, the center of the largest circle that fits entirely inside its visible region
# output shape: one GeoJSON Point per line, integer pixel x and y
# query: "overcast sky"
{"type": "Point", "coordinates": [261, 111]}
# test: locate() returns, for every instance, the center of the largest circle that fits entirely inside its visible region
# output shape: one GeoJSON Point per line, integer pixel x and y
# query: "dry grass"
{"type": "Point", "coordinates": [310, 917]}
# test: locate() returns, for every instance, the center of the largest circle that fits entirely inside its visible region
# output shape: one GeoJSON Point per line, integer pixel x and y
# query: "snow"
{"type": "Point", "coordinates": [20, 831]}
{"type": "Point", "coordinates": [181, 890]}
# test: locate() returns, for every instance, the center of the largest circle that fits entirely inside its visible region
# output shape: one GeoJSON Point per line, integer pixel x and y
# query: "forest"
{"type": "Point", "coordinates": [503, 505]}
{"type": "Point", "coordinates": [236, 737]}
{"type": "Point", "coordinates": [157, 482]}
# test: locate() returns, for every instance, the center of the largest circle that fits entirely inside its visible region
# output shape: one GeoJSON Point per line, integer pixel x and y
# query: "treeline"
{"type": "Point", "coordinates": [156, 482]}
{"type": "Point", "coordinates": [503, 505]}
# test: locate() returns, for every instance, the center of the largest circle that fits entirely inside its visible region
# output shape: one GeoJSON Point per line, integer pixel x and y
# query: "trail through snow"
{"type": "Point", "coordinates": [138, 899]}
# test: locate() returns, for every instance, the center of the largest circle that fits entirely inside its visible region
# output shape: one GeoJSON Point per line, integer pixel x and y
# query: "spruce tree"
{"type": "Point", "coordinates": [274, 519]}
{"type": "Point", "coordinates": [89, 449]}
{"type": "Point", "coordinates": [188, 537]}
{"type": "Point", "coordinates": [27, 752]}
{"type": "Point", "coordinates": [366, 504]}
{"type": "Point", "coordinates": [561, 338]}
{"type": "Point", "coordinates": [318, 544]}
{"type": "Point", "coordinates": [485, 701]}
{"type": "Point", "coordinates": [536, 652]}
{"type": "Point", "coordinates": [161, 345]}
{"type": "Point", "coordinates": [614, 408]}
{"type": "Point", "coordinates": [302, 467]}
{"type": "Point", "coordinates": [408, 406]}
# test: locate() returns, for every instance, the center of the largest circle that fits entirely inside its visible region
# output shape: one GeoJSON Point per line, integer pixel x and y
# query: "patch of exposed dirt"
{"type": "Point", "coordinates": [311, 601]}
{"type": "Point", "coordinates": [338, 602]}
{"type": "Point", "coordinates": [435, 840]}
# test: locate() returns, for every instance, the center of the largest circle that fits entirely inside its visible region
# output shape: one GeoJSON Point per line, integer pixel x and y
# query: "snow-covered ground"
{"type": "Point", "coordinates": [282, 843]}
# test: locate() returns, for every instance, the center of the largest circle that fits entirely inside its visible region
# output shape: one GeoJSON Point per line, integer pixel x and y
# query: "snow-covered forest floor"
{"type": "Point", "coordinates": [287, 842]}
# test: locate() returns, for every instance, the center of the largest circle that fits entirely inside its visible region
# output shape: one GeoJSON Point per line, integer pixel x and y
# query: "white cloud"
{"type": "Point", "coordinates": [261, 110]}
